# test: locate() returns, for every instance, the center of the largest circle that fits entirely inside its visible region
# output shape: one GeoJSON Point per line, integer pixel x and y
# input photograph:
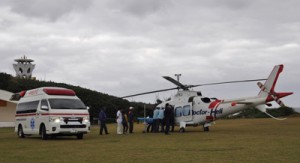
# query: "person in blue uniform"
{"type": "Point", "coordinates": [102, 119]}
{"type": "Point", "coordinates": [155, 120]}
{"type": "Point", "coordinates": [161, 118]}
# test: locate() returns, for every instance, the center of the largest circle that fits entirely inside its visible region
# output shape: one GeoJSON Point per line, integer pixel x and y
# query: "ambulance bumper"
{"type": "Point", "coordinates": [68, 129]}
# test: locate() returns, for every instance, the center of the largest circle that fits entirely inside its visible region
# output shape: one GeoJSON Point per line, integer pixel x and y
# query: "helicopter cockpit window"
{"type": "Point", "coordinates": [205, 100]}
{"type": "Point", "coordinates": [186, 110]}
{"type": "Point", "coordinates": [178, 111]}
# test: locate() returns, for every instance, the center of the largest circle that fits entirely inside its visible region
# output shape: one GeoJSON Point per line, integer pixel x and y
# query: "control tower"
{"type": "Point", "coordinates": [24, 67]}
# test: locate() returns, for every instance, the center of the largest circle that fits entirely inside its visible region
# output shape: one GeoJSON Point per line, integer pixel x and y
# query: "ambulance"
{"type": "Point", "coordinates": [51, 111]}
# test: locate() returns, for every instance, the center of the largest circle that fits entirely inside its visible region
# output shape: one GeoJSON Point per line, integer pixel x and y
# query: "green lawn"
{"type": "Point", "coordinates": [242, 140]}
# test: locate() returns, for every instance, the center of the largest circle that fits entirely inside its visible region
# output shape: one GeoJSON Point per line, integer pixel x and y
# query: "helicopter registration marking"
{"type": "Point", "coordinates": [216, 111]}
{"type": "Point", "coordinates": [211, 112]}
{"type": "Point", "coordinates": [199, 112]}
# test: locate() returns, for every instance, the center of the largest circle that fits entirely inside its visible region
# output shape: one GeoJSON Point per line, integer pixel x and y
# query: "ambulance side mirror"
{"type": "Point", "coordinates": [87, 108]}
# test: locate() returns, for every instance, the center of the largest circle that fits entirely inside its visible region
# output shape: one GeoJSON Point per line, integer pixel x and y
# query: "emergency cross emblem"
{"type": "Point", "coordinates": [32, 123]}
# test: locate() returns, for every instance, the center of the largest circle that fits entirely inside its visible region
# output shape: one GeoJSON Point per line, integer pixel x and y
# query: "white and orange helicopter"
{"type": "Point", "coordinates": [193, 109]}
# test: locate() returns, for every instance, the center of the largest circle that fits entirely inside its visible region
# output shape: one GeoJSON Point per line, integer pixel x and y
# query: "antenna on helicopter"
{"type": "Point", "coordinates": [178, 76]}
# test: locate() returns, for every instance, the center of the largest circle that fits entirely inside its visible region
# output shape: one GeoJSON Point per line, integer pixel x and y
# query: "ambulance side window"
{"type": "Point", "coordinates": [44, 105]}
{"type": "Point", "coordinates": [27, 107]}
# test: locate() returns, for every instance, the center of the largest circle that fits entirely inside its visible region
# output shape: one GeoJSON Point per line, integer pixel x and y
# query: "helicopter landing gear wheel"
{"type": "Point", "coordinates": [182, 130]}
{"type": "Point", "coordinates": [205, 129]}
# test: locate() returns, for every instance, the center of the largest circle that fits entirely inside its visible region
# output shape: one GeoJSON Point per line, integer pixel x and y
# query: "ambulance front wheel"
{"type": "Point", "coordinates": [43, 132]}
{"type": "Point", "coordinates": [80, 136]}
{"type": "Point", "coordinates": [20, 132]}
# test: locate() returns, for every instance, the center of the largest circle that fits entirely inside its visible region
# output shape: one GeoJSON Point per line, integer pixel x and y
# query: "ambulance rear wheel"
{"type": "Point", "coordinates": [43, 132]}
{"type": "Point", "coordinates": [20, 132]}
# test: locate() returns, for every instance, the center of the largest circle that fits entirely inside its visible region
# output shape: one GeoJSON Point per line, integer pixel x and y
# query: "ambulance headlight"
{"type": "Point", "coordinates": [86, 119]}
{"type": "Point", "coordinates": [56, 119]}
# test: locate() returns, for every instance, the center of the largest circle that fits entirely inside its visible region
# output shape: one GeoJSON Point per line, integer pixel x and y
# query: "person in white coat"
{"type": "Point", "coordinates": [119, 122]}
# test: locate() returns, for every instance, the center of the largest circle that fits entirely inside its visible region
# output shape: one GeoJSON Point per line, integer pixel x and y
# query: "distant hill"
{"type": "Point", "coordinates": [95, 100]}
{"type": "Point", "coordinates": [296, 109]}
{"type": "Point", "coordinates": [254, 113]}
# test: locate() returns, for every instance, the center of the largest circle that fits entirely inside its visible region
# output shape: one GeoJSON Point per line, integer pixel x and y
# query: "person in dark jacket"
{"type": "Point", "coordinates": [172, 120]}
{"type": "Point", "coordinates": [124, 122]}
{"type": "Point", "coordinates": [167, 115]}
{"type": "Point", "coordinates": [102, 119]}
{"type": "Point", "coordinates": [130, 119]}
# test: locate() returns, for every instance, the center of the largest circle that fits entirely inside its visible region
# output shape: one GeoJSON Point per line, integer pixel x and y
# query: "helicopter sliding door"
{"type": "Point", "coordinates": [183, 113]}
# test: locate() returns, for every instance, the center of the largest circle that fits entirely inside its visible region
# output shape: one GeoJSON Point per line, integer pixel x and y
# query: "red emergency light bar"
{"type": "Point", "coordinates": [66, 92]}
{"type": "Point", "coordinates": [22, 94]}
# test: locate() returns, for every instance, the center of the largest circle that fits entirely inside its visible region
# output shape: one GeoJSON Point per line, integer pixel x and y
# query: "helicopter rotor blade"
{"type": "Point", "coordinates": [227, 82]}
{"type": "Point", "coordinates": [176, 82]}
{"type": "Point", "coordinates": [144, 93]}
{"type": "Point", "coordinates": [187, 87]}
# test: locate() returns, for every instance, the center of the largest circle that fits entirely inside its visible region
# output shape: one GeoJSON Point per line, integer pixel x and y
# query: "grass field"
{"type": "Point", "coordinates": [242, 140]}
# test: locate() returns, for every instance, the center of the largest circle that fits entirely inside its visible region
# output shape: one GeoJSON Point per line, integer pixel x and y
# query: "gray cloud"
{"type": "Point", "coordinates": [50, 10]}
{"type": "Point", "coordinates": [139, 9]}
{"type": "Point", "coordinates": [124, 47]}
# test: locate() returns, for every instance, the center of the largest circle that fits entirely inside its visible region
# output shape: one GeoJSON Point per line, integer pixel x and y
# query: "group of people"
{"type": "Point", "coordinates": [163, 119]}
{"type": "Point", "coordinates": [124, 121]}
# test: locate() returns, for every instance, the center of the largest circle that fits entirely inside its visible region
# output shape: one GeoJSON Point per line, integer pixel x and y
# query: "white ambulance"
{"type": "Point", "coordinates": [51, 111]}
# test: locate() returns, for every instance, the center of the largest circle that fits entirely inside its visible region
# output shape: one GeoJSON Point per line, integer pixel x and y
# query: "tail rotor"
{"type": "Point", "coordinates": [273, 94]}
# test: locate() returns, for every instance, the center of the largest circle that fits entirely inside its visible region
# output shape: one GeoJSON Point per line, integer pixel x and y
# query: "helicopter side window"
{"type": "Point", "coordinates": [178, 111]}
{"type": "Point", "coordinates": [186, 110]}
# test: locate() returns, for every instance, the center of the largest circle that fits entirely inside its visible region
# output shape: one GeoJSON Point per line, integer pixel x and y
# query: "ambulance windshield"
{"type": "Point", "coordinates": [66, 104]}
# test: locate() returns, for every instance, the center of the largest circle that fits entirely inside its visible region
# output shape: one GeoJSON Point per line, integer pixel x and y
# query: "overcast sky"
{"type": "Point", "coordinates": [123, 47]}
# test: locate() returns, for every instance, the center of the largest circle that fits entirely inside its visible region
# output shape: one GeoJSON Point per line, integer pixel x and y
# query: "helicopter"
{"type": "Point", "coordinates": [193, 109]}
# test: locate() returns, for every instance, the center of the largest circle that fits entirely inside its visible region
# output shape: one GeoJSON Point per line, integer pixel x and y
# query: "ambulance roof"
{"type": "Point", "coordinates": [48, 91]}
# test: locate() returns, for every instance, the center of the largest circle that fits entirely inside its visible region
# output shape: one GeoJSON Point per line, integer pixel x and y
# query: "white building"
{"type": "Point", "coordinates": [7, 109]}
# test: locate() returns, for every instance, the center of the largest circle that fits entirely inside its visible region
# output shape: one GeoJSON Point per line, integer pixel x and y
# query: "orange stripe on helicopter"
{"type": "Point", "coordinates": [214, 104]}
{"type": "Point", "coordinates": [233, 104]}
